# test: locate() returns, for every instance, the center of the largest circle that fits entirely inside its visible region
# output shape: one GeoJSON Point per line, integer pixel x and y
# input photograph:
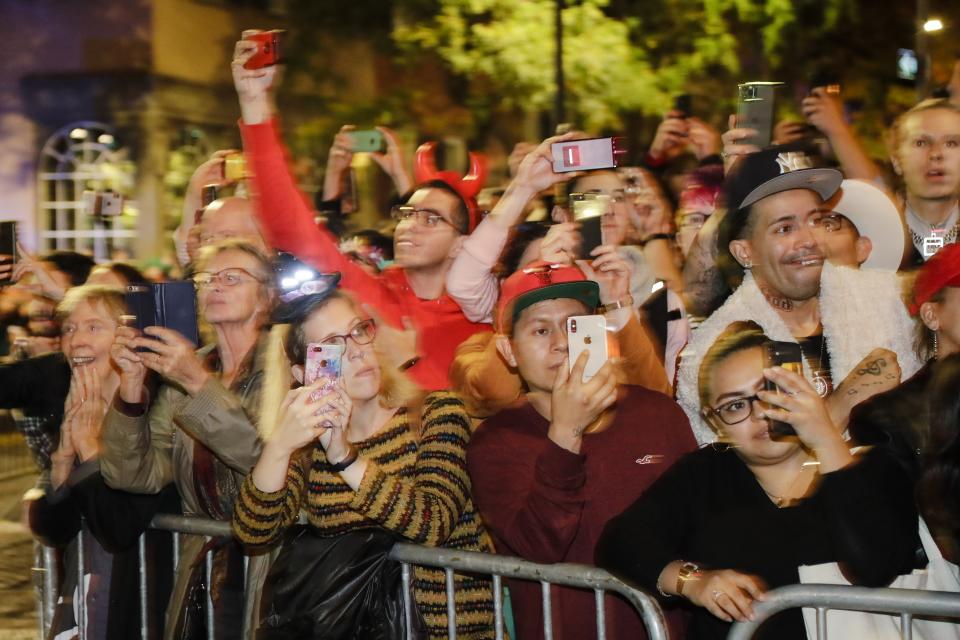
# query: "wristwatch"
{"type": "Point", "coordinates": [688, 572]}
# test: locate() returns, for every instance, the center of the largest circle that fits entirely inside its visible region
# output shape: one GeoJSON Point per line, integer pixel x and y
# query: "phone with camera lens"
{"type": "Point", "coordinates": [588, 210]}
{"type": "Point", "coordinates": [587, 333]}
{"type": "Point", "coordinates": [756, 110]}
{"type": "Point", "coordinates": [268, 51]}
{"type": "Point", "coordinates": [323, 361]}
{"type": "Point", "coordinates": [367, 141]}
{"type": "Point", "coordinates": [789, 356]}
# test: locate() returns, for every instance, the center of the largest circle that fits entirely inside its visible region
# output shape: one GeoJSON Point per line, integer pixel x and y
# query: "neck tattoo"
{"type": "Point", "coordinates": [775, 300]}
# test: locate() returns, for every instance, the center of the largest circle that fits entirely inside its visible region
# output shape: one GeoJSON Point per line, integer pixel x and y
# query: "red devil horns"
{"type": "Point", "coordinates": [468, 185]}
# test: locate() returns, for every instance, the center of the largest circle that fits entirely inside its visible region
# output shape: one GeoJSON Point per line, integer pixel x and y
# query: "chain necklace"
{"type": "Point", "coordinates": [820, 381]}
{"type": "Point", "coordinates": [786, 500]}
{"type": "Point", "coordinates": [929, 238]}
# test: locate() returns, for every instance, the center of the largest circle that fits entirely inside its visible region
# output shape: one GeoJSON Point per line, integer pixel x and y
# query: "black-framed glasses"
{"type": "Point", "coordinates": [362, 333]}
{"type": "Point", "coordinates": [429, 218]}
{"type": "Point", "coordinates": [737, 410]}
{"type": "Point", "coordinates": [229, 277]}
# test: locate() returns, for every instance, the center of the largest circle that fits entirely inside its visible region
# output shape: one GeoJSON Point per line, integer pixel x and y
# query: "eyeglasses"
{"type": "Point", "coordinates": [425, 217]}
{"type": "Point", "coordinates": [827, 221]}
{"type": "Point", "coordinates": [736, 410]}
{"type": "Point", "coordinates": [362, 333]}
{"type": "Point", "coordinates": [616, 196]}
{"type": "Point", "coordinates": [230, 277]}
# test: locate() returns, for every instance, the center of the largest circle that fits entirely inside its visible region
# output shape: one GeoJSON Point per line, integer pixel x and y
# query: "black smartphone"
{"type": "Point", "coordinates": [588, 210]}
{"type": "Point", "coordinates": [789, 356]}
{"type": "Point", "coordinates": [683, 105]}
{"type": "Point", "coordinates": [756, 110]}
{"type": "Point", "coordinates": [172, 305]}
{"type": "Point", "coordinates": [8, 246]}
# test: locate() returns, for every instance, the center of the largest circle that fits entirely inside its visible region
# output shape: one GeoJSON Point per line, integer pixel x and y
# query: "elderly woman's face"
{"type": "Point", "coordinates": [87, 335]}
{"type": "Point", "coordinates": [236, 292]}
{"type": "Point", "coordinates": [734, 380]}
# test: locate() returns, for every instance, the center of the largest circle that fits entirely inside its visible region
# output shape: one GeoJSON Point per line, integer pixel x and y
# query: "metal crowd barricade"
{"type": "Point", "coordinates": [571, 575]}
{"type": "Point", "coordinates": [908, 603]}
{"type": "Point", "coordinates": [407, 554]}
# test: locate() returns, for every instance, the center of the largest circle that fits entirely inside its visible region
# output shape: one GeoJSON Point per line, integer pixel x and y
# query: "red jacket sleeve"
{"type": "Point", "coordinates": [287, 220]}
{"type": "Point", "coordinates": [531, 503]}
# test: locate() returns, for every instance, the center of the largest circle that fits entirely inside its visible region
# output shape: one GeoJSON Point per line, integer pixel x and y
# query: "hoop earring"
{"type": "Point", "coordinates": [721, 444]}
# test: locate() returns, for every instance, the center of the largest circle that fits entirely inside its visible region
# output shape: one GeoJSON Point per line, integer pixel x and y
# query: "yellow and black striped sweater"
{"type": "Point", "coordinates": [415, 487]}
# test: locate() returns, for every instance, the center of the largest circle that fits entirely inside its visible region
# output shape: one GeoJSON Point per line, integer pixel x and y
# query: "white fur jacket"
{"type": "Point", "coordinates": [861, 310]}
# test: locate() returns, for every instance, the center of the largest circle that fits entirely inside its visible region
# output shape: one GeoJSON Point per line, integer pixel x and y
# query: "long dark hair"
{"type": "Point", "coordinates": [938, 487]}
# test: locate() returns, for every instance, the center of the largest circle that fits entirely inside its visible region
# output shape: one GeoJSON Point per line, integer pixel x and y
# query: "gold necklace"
{"type": "Point", "coordinates": [785, 500]}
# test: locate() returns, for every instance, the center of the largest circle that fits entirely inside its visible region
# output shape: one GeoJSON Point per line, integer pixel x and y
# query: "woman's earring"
{"type": "Point", "coordinates": [721, 444]}
{"type": "Point", "coordinates": [936, 349]}
{"type": "Point", "coordinates": [747, 265]}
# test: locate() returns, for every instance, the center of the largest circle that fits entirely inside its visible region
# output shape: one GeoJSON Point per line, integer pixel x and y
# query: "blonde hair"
{"type": "Point", "coordinates": [284, 344]}
{"type": "Point", "coordinates": [104, 296]}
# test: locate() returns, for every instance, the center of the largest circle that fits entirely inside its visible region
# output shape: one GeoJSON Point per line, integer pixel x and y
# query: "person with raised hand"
{"type": "Point", "coordinates": [432, 225]}
{"type": "Point", "coordinates": [576, 452]}
{"type": "Point", "coordinates": [734, 519]}
{"type": "Point", "coordinates": [73, 502]}
{"type": "Point", "coordinates": [372, 461]}
{"type": "Point", "coordinates": [199, 429]}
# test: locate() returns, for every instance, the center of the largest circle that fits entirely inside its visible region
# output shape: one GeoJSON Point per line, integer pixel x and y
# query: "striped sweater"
{"type": "Point", "coordinates": [417, 488]}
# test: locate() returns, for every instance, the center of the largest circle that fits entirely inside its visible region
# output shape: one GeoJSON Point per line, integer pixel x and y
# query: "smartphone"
{"type": "Point", "coordinates": [587, 333]}
{"type": "Point", "coordinates": [588, 210]}
{"type": "Point", "coordinates": [268, 49]}
{"type": "Point", "coordinates": [789, 356]}
{"type": "Point", "coordinates": [102, 203]}
{"type": "Point", "coordinates": [585, 155]}
{"type": "Point", "coordinates": [683, 105]}
{"type": "Point", "coordinates": [323, 361]}
{"type": "Point", "coordinates": [756, 110]}
{"type": "Point", "coordinates": [8, 246]}
{"type": "Point", "coordinates": [172, 305]}
{"type": "Point", "coordinates": [908, 65]}
{"type": "Point", "coordinates": [234, 167]}
{"type": "Point", "coordinates": [367, 141]}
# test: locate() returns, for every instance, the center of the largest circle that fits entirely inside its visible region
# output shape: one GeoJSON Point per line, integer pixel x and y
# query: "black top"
{"type": "Point", "coordinates": [709, 509]}
{"type": "Point", "coordinates": [37, 385]}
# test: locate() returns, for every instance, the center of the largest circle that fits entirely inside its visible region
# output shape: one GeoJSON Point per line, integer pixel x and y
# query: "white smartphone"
{"type": "Point", "coordinates": [584, 155]}
{"type": "Point", "coordinates": [587, 333]}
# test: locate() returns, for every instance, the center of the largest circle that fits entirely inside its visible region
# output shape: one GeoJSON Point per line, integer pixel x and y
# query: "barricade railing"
{"type": "Point", "coordinates": [570, 575]}
{"type": "Point", "coordinates": [408, 555]}
{"type": "Point", "coordinates": [907, 603]}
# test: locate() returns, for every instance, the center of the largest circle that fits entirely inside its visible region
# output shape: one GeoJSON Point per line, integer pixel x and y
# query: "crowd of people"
{"type": "Point", "coordinates": [457, 411]}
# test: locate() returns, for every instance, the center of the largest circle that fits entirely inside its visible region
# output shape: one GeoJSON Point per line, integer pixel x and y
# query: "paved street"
{"type": "Point", "coordinates": [18, 616]}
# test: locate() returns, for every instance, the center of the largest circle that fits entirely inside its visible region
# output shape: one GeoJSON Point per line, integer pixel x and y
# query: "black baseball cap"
{"type": "Point", "coordinates": [765, 173]}
{"type": "Point", "coordinates": [778, 169]}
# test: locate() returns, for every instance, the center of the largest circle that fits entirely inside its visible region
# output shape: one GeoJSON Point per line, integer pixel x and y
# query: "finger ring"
{"type": "Point", "coordinates": [717, 593]}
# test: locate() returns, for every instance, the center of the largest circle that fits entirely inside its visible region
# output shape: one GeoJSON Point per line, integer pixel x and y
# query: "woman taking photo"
{"type": "Point", "coordinates": [361, 453]}
{"type": "Point", "coordinates": [729, 521]}
{"type": "Point", "coordinates": [199, 431]}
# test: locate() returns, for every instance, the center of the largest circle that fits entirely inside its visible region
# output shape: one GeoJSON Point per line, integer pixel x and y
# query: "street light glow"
{"type": "Point", "coordinates": [933, 24]}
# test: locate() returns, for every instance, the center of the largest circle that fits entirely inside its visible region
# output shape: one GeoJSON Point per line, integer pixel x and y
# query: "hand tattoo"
{"type": "Point", "coordinates": [873, 368]}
